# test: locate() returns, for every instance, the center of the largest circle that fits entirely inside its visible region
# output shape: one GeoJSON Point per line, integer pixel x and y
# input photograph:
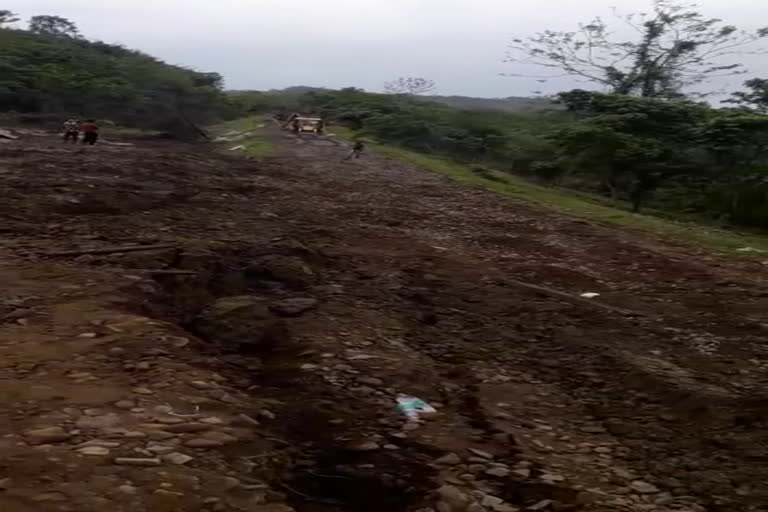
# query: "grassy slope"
{"type": "Point", "coordinates": [707, 237]}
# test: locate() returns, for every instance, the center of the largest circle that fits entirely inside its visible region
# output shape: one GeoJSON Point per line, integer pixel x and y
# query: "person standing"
{"type": "Point", "coordinates": [90, 132]}
{"type": "Point", "coordinates": [71, 130]}
{"type": "Point", "coordinates": [357, 150]}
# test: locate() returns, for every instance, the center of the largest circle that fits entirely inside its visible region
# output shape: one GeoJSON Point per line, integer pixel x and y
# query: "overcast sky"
{"type": "Point", "coordinates": [263, 44]}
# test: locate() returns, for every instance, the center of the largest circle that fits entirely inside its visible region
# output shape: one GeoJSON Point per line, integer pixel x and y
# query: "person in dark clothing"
{"type": "Point", "coordinates": [71, 130]}
{"type": "Point", "coordinates": [357, 150]}
{"type": "Point", "coordinates": [90, 132]}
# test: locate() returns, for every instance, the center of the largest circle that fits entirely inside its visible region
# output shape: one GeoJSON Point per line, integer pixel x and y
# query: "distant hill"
{"type": "Point", "coordinates": [72, 76]}
{"type": "Point", "coordinates": [509, 104]}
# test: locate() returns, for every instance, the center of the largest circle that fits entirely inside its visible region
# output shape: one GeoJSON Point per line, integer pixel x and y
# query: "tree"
{"type": "Point", "coordinates": [675, 47]}
{"type": "Point", "coordinates": [410, 86]}
{"type": "Point", "coordinates": [53, 26]}
{"type": "Point", "coordinates": [631, 145]}
{"type": "Point", "coordinates": [756, 97]}
{"type": "Point", "coordinates": [7, 16]}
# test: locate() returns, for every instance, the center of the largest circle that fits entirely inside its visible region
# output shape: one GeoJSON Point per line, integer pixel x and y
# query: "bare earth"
{"type": "Point", "coordinates": [192, 378]}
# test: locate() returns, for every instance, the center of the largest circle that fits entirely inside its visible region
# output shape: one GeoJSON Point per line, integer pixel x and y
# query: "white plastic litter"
{"type": "Point", "coordinates": [590, 295]}
{"type": "Point", "coordinates": [413, 407]}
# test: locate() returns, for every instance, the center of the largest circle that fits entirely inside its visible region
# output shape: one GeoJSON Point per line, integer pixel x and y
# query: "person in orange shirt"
{"type": "Point", "coordinates": [90, 132]}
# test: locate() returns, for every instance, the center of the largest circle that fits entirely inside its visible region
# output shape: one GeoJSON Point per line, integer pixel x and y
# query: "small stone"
{"type": "Point", "coordinates": [490, 501]}
{"type": "Point", "coordinates": [453, 497]}
{"type": "Point", "coordinates": [50, 496]}
{"type": "Point", "coordinates": [364, 446]}
{"type": "Point", "coordinates": [481, 453]}
{"type": "Point", "coordinates": [391, 447]}
{"type": "Point", "coordinates": [187, 428]}
{"type": "Point", "coordinates": [99, 422]}
{"type": "Point", "coordinates": [370, 381]}
{"type": "Point", "coordinates": [199, 384]}
{"type": "Point", "coordinates": [200, 442]}
{"type": "Point", "coordinates": [135, 461]}
{"type": "Point", "coordinates": [160, 448]}
{"type": "Point", "coordinates": [95, 451]}
{"type": "Point", "coordinates": [176, 458]}
{"type": "Point", "coordinates": [293, 307]}
{"type": "Point", "coordinates": [5, 483]}
{"type": "Point", "coordinates": [644, 487]}
{"type": "Point", "coordinates": [549, 477]}
{"type": "Point", "coordinates": [593, 430]}
{"type": "Point", "coordinates": [499, 472]}
{"type": "Point", "coordinates": [128, 489]}
{"type": "Point", "coordinates": [541, 505]}
{"type": "Point", "coordinates": [475, 507]}
{"type": "Point", "coordinates": [143, 365]}
{"type": "Point", "coordinates": [125, 404]}
{"type": "Point", "coordinates": [46, 435]}
{"type": "Point", "coordinates": [87, 335]}
{"type": "Point", "coordinates": [213, 420]}
{"type": "Point", "coordinates": [450, 459]}
{"type": "Point", "coordinates": [221, 437]}
{"type": "Point", "coordinates": [524, 473]}
{"type": "Point", "coordinates": [116, 351]}
{"type": "Point", "coordinates": [143, 391]}
{"type": "Point", "coordinates": [603, 449]}
{"type": "Point", "coordinates": [267, 414]}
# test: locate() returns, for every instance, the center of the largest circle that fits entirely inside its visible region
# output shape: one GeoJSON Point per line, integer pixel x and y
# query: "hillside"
{"type": "Point", "coordinates": [509, 104]}
{"type": "Point", "coordinates": [55, 74]}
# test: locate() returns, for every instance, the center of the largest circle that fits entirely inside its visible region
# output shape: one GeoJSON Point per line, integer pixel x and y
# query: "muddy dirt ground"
{"type": "Point", "coordinates": [251, 360]}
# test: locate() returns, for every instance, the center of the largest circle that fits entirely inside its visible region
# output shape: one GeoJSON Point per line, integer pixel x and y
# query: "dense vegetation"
{"type": "Point", "coordinates": [676, 155]}
{"type": "Point", "coordinates": [50, 68]}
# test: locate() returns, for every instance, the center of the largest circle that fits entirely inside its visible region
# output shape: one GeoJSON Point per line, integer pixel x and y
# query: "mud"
{"type": "Point", "coordinates": [415, 286]}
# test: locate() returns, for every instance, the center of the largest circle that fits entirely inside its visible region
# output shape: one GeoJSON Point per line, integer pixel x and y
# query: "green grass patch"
{"type": "Point", "coordinates": [253, 145]}
{"type": "Point", "coordinates": [574, 203]}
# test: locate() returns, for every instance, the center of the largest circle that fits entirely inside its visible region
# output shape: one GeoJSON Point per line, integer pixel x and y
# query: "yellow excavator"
{"type": "Point", "coordinates": [299, 124]}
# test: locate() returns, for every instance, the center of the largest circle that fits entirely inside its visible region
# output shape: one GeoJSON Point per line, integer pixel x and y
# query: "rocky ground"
{"type": "Point", "coordinates": [250, 358]}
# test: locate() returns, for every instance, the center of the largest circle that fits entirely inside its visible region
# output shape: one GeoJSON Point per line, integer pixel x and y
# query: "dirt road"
{"type": "Point", "coordinates": [251, 363]}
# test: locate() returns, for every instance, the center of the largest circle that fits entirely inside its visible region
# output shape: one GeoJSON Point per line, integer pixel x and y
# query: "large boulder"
{"type": "Point", "coordinates": [242, 323]}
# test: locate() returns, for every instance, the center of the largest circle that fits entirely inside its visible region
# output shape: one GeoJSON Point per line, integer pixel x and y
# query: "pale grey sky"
{"type": "Point", "coordinates": [262, 44]}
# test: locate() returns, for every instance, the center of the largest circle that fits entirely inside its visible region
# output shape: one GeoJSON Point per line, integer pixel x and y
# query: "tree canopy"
{"type": "Point", "coordinates": [674, 47]}
{"type": "Point", "coordinates": [51, 69]}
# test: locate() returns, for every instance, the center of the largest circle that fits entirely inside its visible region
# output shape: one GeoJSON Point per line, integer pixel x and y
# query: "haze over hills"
{"type": "Point", "coordinates": [508, 104]}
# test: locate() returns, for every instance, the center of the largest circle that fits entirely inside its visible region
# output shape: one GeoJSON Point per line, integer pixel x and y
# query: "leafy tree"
{"type": "Point", "coordinates": [631, 144]}
{"type": "Point", "coordinates": [7, 16]}
{"type": "Point", "coordinates": [676, 47]}
{"type": "Point", "coordinates": [53, 26]}
{"type": "Point", "coordinates": [409, 85]}
{"type": "Point", "coordinates": [756, 97]}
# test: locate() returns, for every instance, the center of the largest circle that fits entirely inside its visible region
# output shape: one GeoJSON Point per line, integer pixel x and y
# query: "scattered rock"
{"type": "Point", "coordinates": [541, 505]}
{"type": "Point", "coordinates": [187, 428]}
{"type": "Point", "coordinates": [524, 472]}
{"type": "Point", "coordinates": [128, 489]}
{"type": "Point", "coordinates": [364, 446]}
{"type": "Point", "coordinates": [125, 404]}
{"type": "Point", "coordinates": [644, 487]}
{"type": "Point", "coordinates": [98, 422]}
{"type": "Point", "coordinates": [95, 451]}
{"type": "Point", "coordinates": [143, 391]}
{"type": "Point", "coordinates": [450, 459]}
{"type": "Point", "coordinates": [176, 458]}
{"type": "Point", "coordinates": [293, 307]}
{"type": "Point", "coordinates": [550, 477]}
{"type": "Point", "coordinates": [135, 461]}
{"type": "Point", "coordinates": [593, 430]}
{"type": "Point", "coordinates": [267, 414]}
{"type": "Point", "coordinates": [453, 497]}
{"type": "Point", "coordinates": [200, 442]}
{"type": "Point", "coordinates": [370, 381]}
{"type": "Point", "coordinates": [46, 435]}
{"type": "Point", "coordinates": [481, 453]}
{"type": "Point", "coordinates": [499, 472]}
